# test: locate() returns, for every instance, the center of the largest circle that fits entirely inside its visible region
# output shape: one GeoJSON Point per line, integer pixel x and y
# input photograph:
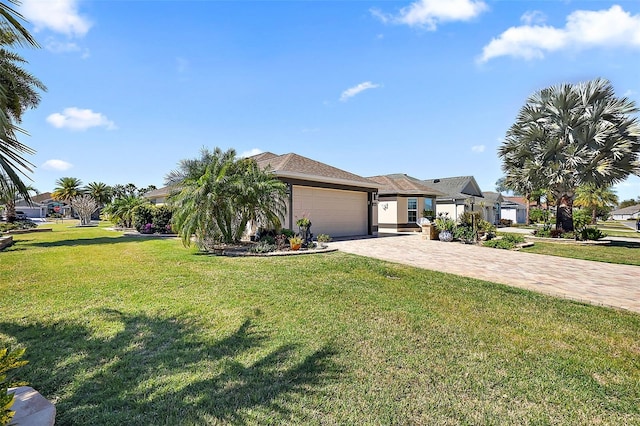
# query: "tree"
{"type": "Point", "coordinates": [101, 192]}
{"type": "Point", "coordinates": [85, 205]}
{"type": "Point", "coordinates": [593, 198]}
{"type": "Point", "coordinates": [628, 203]}
{"type": "Point", "coordinates": [216, 196]}
{"type": "Point", "coordinates": [67, 188]}
{"type": "Point", "coordinates": [122, 209]}
{"type": "Point", "coordinates": [9, 194]}
{"type": "Point", "coordinates": [17, 93]}
{"type": "Point", "coordinates": [568, 135]}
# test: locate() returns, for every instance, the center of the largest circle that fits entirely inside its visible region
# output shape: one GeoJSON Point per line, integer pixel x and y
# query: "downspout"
{"type": "Point", "coordinates": [290, 188]}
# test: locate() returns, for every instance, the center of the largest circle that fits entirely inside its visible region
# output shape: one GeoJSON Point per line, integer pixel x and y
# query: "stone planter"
{"type": "Point", "coordinates": [446, 236]}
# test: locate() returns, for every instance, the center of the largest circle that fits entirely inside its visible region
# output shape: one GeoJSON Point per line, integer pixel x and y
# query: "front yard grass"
{"type": "Point", "coordinates": [127, 330]}
{"type": "Point", "coordinates": [627, 253]}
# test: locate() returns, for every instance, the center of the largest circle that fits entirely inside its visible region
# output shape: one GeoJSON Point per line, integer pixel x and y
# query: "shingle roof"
{"type": "Point", "coordinates": [298, 167]}
{"type": "Point", "coordinates": [156, 193]}
{"type": "Point", "coordinates": [402, 184]}
{"type": "Point", "coordinates": [455, 187]}
{"type": "Point", "coordinates": [627, 210]}
{"type": "Point", "coordinates": [492, 197]}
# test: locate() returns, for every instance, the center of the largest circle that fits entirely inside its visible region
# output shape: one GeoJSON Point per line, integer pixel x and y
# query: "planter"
{"type": "Point", "coordinates": [295, 247]}
{"type": "Point", "coordinates": [446, 236]}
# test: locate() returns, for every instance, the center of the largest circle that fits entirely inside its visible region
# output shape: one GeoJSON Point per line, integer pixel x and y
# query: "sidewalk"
{"type": "Point", "coordinates": [586, 281]}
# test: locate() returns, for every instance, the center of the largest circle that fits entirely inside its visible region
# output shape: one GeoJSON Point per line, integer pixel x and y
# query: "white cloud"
{"type": "Point", "coordinates": [584, 29]}
{"type": "Point", "coordinates": [250, 153]}
{"type": "Point", "coordinates": [352, 91]}
{"type": "Point", "coordinates": [56, 46]}
{"type": "Point", "coordinates": [478, 148]}
{"type": "Point", "coordinates": [533, 17]}
{"type": "Point", "coordinates": [60, 16]}
{"type": "Point", "coordinates": [629, 93]}
{"type": "Point", "coordinates": [56, 165]}
{"type": "Point", "coordinates": [79, 119]}
{"type": "Point", "coordinates": [429, 13]}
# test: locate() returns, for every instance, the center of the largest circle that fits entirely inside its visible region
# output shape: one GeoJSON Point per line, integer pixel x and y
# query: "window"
{"type": "Point", "coordinates": [412, 210]}
{"type": "Point", "coordinates": [428, 207]}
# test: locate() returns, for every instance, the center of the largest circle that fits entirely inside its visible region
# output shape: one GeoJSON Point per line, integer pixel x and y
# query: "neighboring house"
{"type": "Point", "coordinates": [514, 209]}
{"type": "Point", "coordinates": [158, 196]}
{"type": "Point", "coordinates": [401, 202]}
{"type": "Point", "coordinates": [627, 213]}
{"type": "Point", "coordinates": [337, 202]}
{"type": "Point", "coordinates": [491, 206]}
{"type": "Point", "coordinates": [461, 194]}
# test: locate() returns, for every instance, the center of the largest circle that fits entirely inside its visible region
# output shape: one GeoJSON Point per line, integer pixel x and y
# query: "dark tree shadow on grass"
{"type": "Point", "coordinates": [161, 371]}
{"type": "Point", "coordinates": [87, 241]}
{"type": "Point", "coordinates": [624, 244]}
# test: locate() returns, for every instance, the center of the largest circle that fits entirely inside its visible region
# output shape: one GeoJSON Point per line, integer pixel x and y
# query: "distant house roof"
{"type": "Point", "coordinates": [157, 193]}
{"type": "Point", "coordinates": [294, 166]}
{"type": "Point", "coordinates": [401, 184]}
{"type": "Point", "coordinates": [627, 210]}
{"type": "Point", "coordinates": [492, 197]}
{"type": "Point", "coordinates": [459, 187]}
{"type": "Point", "coordinates": [42, 197]}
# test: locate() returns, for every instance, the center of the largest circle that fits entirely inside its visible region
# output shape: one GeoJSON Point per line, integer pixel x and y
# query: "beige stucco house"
{"type": "Point", "coordinates": [460, 194]}
{"type": "Point", "coordinates": [401, 202]}
{"type": "Point", "coordinates": [337, 202]}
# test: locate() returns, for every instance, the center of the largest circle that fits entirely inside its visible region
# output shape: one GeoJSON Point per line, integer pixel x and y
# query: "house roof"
{"type": "Point", "coordinates": [157, 193]}
{"type": "Point", "coordinates": [42, 197]}
{"type": "Point", "coordinates": [492, 197]}
{"type": "Point", "coordinates": [402, 184]}
{"type": "Point", "coordinates": [296, 166]}
{"type": "Point", "coordinates": [456, 187]}
{"type": "Point", "coordinates": [628, 210]}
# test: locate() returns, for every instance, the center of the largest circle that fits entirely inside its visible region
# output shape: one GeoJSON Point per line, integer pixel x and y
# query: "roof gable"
{"type": "Point", "coordinates": [298, 167]}
{"type": "Point", "coordinates": [456, 187]}
{"type": "Point", "coordinates": [402, 184]}
{"type": "Point", "coordinates": [628, 210]}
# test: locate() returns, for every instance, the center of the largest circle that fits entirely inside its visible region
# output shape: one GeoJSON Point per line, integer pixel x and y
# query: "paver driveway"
{"type": "Point", "coordinates": [594, 282]}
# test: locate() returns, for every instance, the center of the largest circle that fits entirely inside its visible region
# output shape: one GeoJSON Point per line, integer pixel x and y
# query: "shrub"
{"type": "Point", "coordinates": [513, 238]}
{"type": "Point", "coordinates": [591, 234]}
{"type": "Point", "coordinates": [281, 242]}
{"type": "Point", "coordinates": [162, 216]}
{"type": "Point", "coordinates": [287, 233]}
{"type": "Point", "coordinates": [539, 216]}
{"type": "Point", "coordinates": [465, 233]}
{"type": "Point", "coordinates": [445, 223]}
{"type": "Point", "coordinates": [262, 247]}
{"type": "Point", "coordinates": [499, 244]}
{"type": "Point", "coordinates": [506, 222]}
{"type": "Point", "coordinates": [9, 360]}
{"type": "Point", "coordinates": [18, 224]}
{"type": "Point", "coordinates": [581, 218]}
{"type": "Point", "coordinates": [323, 238]}
{"type": "Point", "coordinates": [142, 216]}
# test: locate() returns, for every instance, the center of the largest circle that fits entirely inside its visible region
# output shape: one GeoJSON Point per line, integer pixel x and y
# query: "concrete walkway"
{"type": "Point", "coordinates": [586, 281]}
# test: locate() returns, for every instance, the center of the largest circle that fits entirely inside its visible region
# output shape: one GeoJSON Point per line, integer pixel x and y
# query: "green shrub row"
{"type": "Point", "coordinates": [150, 219]}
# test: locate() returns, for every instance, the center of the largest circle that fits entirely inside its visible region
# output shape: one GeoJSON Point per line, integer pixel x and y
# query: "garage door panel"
{"type": "Point", "coordinates": [334, 212]}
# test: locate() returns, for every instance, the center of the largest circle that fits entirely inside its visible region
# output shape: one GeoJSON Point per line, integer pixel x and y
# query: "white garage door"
{"type": "Point", "coordinates": [334, 212]}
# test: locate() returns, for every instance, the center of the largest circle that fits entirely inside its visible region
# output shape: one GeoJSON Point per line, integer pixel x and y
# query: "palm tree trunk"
{"type": "Point", "coordinates": [594, 216]}
{"type": "Point", "coordinates": [564, 214]}
{"type": "Point", "coordinates": [526, 197]}
{"type": "Point", "coordinates": [11, 210]}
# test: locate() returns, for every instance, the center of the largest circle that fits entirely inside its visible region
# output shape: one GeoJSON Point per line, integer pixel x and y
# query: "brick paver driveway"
{"type": "Point", "coordinates": [594, 282]}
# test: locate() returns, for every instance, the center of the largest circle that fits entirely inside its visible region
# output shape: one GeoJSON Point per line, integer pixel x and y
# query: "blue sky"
{"type": "Point", "coordinates": [428, 88]}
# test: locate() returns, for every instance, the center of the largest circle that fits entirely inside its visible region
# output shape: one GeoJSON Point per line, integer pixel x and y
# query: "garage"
{"type": "Point", "coordinates": [339, 213]}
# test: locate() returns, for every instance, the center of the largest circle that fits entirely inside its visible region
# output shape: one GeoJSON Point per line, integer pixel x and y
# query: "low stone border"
{"type": "Point", "coordinates": [138, 234]}
{"type": "Point", "coordinates": [29, 231]}
{"type": "Point", "coordinates": [6, 242]}
{"type": "Point", "coordinates": [31, 408]}
{"type": "Point", "coordinates": [245, 253]}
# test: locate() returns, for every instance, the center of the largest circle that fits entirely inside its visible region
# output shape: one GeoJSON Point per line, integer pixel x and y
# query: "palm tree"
{"type": "Point", "coordinates": [17, 93]}
{"type": "Point", "coordinates": [9, 195]}
{"type": "Point", "coordinates": [67, 188]}
{"type": "Point", "coordinates": [101, 192]}
{"type": "Point", "coordinates": [217, 195]}
{"type": "Point", "coordinates": [569, 135]}
{"type": "Point", "coordinates": [593, 198]}
{"type": "Point", "coordinates": [121, 210]}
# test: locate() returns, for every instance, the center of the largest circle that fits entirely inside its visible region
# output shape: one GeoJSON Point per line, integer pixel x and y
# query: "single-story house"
{"type": "Point", "coordinates": [337, 202]}
{"type": "Point", "coordinates": [32, 210]}
{"type": "Point", "coordinates": [491, 206]}
{"type": "Point", "coordinates": [402, 200]}
{"type": "Point", "coordinates": [460, 194]}
{"type": "Point", "coordinates": [514, 209]}
{"type": "Point", "coordinates": [627, 213]}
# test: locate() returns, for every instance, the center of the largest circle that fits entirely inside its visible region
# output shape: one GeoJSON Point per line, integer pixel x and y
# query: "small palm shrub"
{"type": "Point", "coordinates": [507, 242]}
{"type": "Point", "coordinates": [591, 234]}
{"type": "Point", "coordinates": [9, 360]}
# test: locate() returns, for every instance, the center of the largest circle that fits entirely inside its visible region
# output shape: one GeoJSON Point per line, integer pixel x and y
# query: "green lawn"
{"type": "Point", "coordinates": [125, 330]}
{"type": "Point", "coordinates": [627, 253]}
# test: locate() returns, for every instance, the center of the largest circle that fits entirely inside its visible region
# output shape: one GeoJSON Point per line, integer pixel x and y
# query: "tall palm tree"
{"type": "Point", "coordinates": [17, 93]}
{"type": "Point", "coordinates": [101, 192]}
{"type": "Point", "coordinates": [593, 198]}
{"type": "Point", "coordinates": [67, 188]}
{"type": "Point", "coordinates": [569, 135]}
{"type": "Point", "coordinates": [216, 195]}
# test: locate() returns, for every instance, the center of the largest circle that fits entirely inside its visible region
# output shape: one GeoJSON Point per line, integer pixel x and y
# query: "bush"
{"type": "Point", "coordinates": [282, 242]}
{"type": "Point", "coordinates": [18, 224]}
{"type": "Point", "coordinates": [581, 218]}
{"type": "Point", "coordinates": [513, 238]}
{"type": "Point", "coordinates": [149, 219]}
{"type": "Point", "coordinates": [262, 247]}
{"type": "Point", "coordinates": [539, 216]}
{"type": "Point", "coordinates": [162, 216]}
{"type": "Point", "coordinates": [9, 360]}
{"type": "Point", "coordinates": [505, 222]}
{"type": "Point", "coordinates": [591, 234]}
{"type": "Point", "coordinates": [499, 244]}
{"type": "Point", "coordinates": [287, 232]}
{"type": "Point", "coordinates": [464, 233]}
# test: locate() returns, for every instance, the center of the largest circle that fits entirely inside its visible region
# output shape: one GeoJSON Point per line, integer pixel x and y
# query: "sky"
{"type": "Point", "coordinates": [428, 88]}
